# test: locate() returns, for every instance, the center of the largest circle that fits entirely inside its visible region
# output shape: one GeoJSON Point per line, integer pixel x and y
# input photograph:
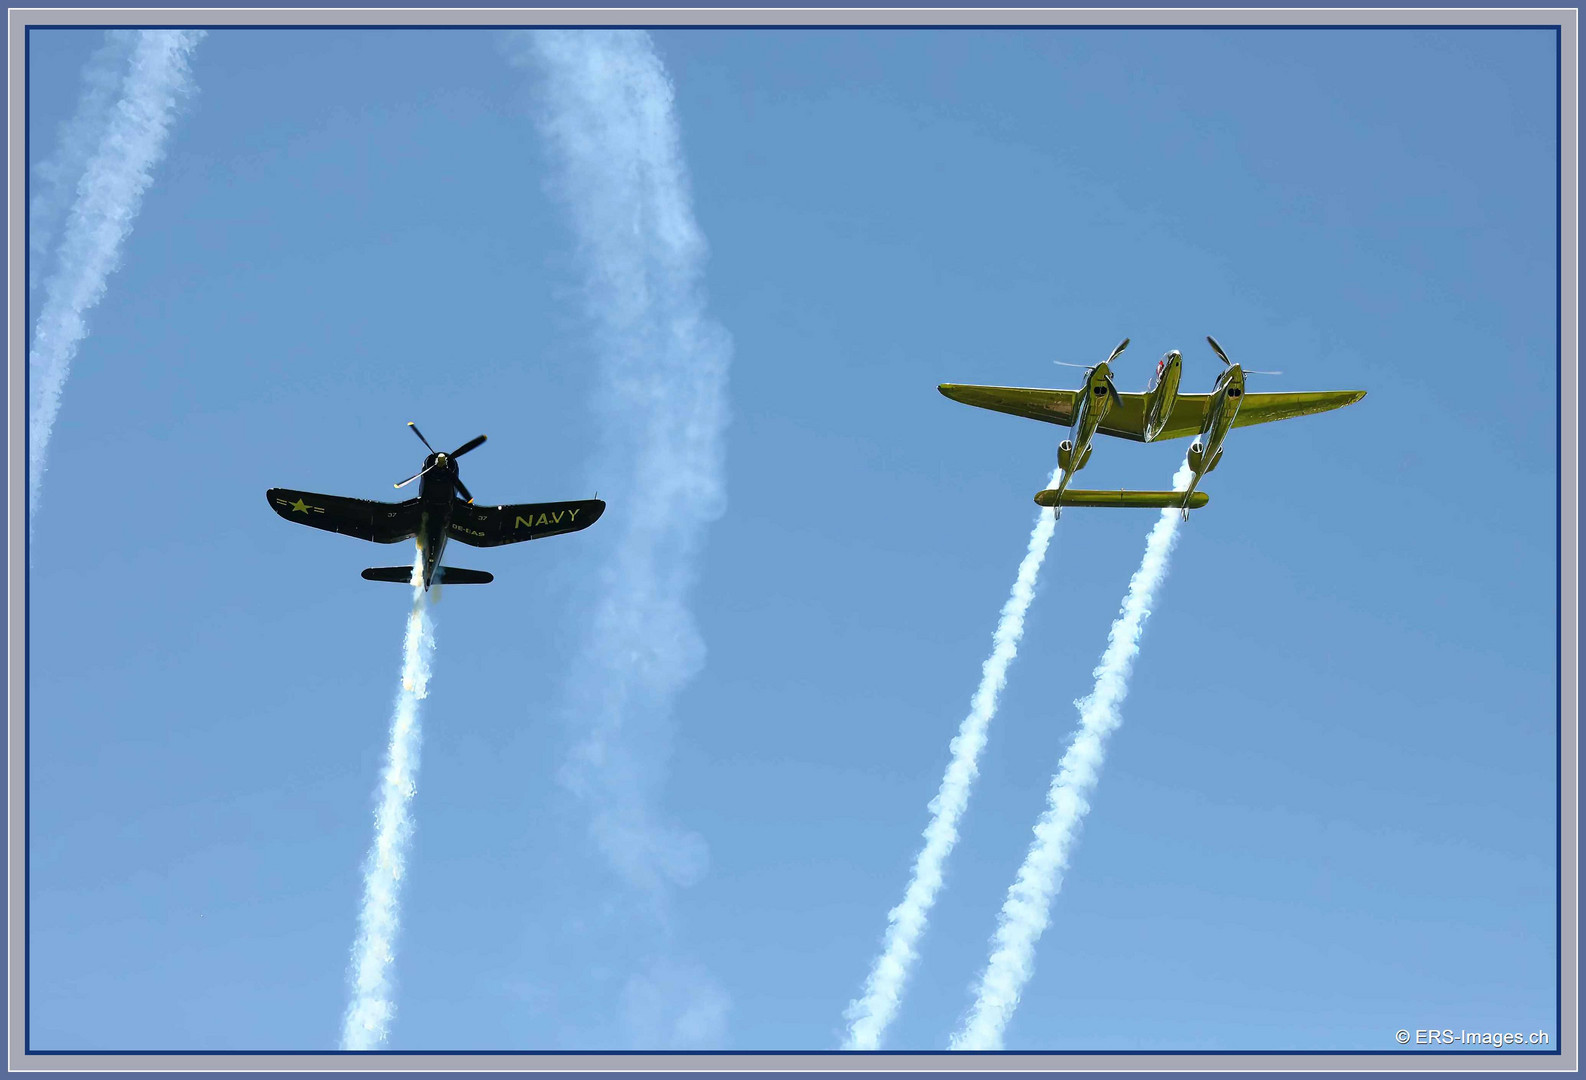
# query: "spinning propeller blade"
{"type": "Point", "coordinates": [1112, 389]}
{"type": "Point", "coordinates": [420, 434]}
{"type": "Point", "coordinates": [467, 446]}
{"type": "Point", "coordinates": [1218, 349]}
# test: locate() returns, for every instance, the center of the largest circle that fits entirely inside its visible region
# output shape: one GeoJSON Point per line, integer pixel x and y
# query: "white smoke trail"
{"type": "Point", "coordinates": [54, 179]}
{"type": "Point", "coordinates": [869, 1016]}
{"type": "Point", "coordinates": [109, 195]}
{"type": "Point", "coordinates": [369, 1013]}
{"type": "Point", "coordinates": [1025, 912]}
{"type": "Point", "coordinates": [608, 115]}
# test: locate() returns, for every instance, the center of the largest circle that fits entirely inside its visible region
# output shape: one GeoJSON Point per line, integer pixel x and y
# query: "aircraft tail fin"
{"type": "Point", "coordinates": [1148, 499]}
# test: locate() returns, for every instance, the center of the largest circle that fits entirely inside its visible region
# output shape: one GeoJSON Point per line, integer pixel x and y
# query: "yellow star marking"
{"type": "Point", "coordinates": [300, 505]}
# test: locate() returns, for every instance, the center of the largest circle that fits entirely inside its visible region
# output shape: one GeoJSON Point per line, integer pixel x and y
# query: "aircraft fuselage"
{"type": "Point", "coordinates": [437, 498]}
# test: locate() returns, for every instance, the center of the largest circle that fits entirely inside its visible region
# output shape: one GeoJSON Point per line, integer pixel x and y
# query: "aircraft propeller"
{"type": "Point", "coordinates": [1122, 345]}
{"type": "Point", "coordinates": [467, 446]}
{"type": "Point", "coordinates": [431, 449]}
{"type": "Point", "coordinates": [1111, 389]}
{"type": "Point", "coordinates": [457, 453]}
{"type": "Point", "coordinates": [1218, 349]}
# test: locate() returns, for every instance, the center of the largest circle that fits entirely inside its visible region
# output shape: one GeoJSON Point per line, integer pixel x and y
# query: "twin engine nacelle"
{"type": "Point", "coordinates": [1197, 454]}
{"type": "Point", "coordinates": [1065, 457]}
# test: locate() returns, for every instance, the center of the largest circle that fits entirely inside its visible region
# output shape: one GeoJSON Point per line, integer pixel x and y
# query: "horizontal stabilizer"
{"type": "Point", "coordinates": [402, 575]}
{"type": "Point", "coordinates": [1147, 499]}
{"type": "Point", "coordinates": [444, 575]}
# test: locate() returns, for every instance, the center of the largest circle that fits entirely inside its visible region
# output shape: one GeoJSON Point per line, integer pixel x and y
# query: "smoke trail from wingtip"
{"type": "Point", "coordinates": [109, 194]}
{"type": "Point", "coordinates": [1026, 911]}
{"type": "Point", "coordinates": [870, 1015]}
{"type": "Point", "coordinates": [369, 1013]}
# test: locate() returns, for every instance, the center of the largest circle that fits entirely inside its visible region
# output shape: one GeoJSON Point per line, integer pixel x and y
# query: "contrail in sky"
{"type": "Point", "coordinates": [109, 192]}
{"type": "Point", "coordinates": [1027, 908]}
{"type": "Point", "coordinates": [606, 110]}
{"type": "Point", "coordinates": [869, 1016]}
{"type": "Point", "coordinates": [369, 1013]}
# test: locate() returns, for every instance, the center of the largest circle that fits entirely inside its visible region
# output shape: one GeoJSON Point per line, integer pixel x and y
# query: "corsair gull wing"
{"type": "Point", "coordinates": [381, 522]}
{"type": "Point", "coordinates": [491, 526]}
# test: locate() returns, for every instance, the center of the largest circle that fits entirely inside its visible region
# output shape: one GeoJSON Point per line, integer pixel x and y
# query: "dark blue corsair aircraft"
{"type": "Point", "coordinates": [438, 514]}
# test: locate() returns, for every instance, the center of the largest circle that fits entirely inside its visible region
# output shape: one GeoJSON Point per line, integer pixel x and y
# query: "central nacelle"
{"type": "Point", "coordinates": [1162, 395]}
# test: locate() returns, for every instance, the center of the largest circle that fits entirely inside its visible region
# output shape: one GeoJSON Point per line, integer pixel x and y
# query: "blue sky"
{"type": "Point", "coordinates": [1330, 811]}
